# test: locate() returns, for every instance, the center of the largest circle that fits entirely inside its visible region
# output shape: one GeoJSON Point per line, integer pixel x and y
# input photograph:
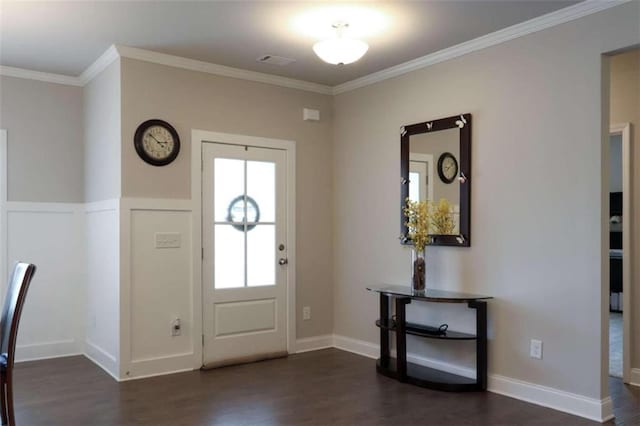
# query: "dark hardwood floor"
{"type": "Point", "coordinates": [328, 387]}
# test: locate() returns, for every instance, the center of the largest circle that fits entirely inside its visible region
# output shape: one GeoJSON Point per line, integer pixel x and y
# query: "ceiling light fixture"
{"type": "Point", "coordinates": [340, 50]}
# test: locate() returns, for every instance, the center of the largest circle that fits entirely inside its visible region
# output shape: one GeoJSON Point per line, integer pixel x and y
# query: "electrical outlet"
{"type": "Point", "coordinates": [535, 349]}
{"type": "Point", "coordinates": [176, 327]}
{"type": "Point", "coordinates": [306, 313]}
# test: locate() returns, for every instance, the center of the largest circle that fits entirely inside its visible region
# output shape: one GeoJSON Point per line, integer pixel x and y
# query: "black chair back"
{"type": "Point", "coordinates": [13, 304]}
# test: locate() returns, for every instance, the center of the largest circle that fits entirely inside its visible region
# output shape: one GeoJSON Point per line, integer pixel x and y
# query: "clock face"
{"type": "Point", "coordinates": [447, 167]}
{"type": "Point", "coordinates": [157, 142]}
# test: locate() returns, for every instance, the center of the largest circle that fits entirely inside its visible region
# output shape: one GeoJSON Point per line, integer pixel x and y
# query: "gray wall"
{"type": "Point", "coordinates": [44, 138]}
{"type": "Point", "coordinates": [537, 189]}
{"type": "Point", "coordinates": [102, 120]}
{"type": "Point", "coordinates": [194, 100]}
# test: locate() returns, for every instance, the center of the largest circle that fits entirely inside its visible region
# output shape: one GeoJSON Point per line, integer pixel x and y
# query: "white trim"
{"type": "Point", "coordinates": [635, 377]}
{"type": "Point", "coordinates": [40, 76]}
{"type": "Point", "coordinates": [522, 29]}
{"type": "Point", "coordinates": [99, 65]}
{"type": "Point", "coordinates": [44, 207]}
{"type": "Point", "coordinates": [590, 408]}
{"type": "Point", "coordinates": [360, 347]}
{"type": "Point", "coordinates": [101, 358]}
{"type": "Point", "coordinates": [160, 366]}
{"type": "Point", "coordinates": [624, 130]}
{"type": "Point", "coordinates": [131, 368]}
{"type": "Point", "coordinates": [198, 137]}
{"type": "Point", "coordinates": [47, 350]}
{"type": "Point", "coordinates": [209, 68]}
{"type": "Point", "coordinates": [102, 206]}
{"type": "Point", "coordinates": [163, 373]}
{"type": "Point", "coordinates": [314, 343]}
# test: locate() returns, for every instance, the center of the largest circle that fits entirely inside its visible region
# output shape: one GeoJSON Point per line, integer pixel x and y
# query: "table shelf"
{"type": "Point", "coordinates": [422, 331]}
{"type": "Point", "coordinates": [428, 377]}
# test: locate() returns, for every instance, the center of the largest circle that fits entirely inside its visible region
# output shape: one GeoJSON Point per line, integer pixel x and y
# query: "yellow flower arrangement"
{"type": "Point", "coordinates": [442, 218]}
{"type": "Point", "coordinates": [423, 217]}
{"type": "Point", "coordinates": [417, 214]}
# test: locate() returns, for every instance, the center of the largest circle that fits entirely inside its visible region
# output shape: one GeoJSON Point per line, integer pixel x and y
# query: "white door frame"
{"type": "Point", "coordinates": [198, 137]}
{"type": "Point", "coordinates": [624, 130]}
{"type": "Point", "coordinates": [425, 158]}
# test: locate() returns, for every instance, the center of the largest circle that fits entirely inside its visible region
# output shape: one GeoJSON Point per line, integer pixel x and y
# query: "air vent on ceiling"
{"type": "Point", "coordinates": [275, 60]}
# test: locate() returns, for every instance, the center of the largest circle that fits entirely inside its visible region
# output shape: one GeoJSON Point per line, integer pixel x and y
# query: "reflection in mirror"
{"type": "Point", "coordinates": [437, 152]}
{"type": "Point", "coordinates": [435, 162]}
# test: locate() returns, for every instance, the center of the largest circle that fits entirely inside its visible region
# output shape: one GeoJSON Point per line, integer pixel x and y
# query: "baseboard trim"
{"type": "Point", "coordinates": [440, 365]}
{"type": "Point", "coordinates": [356, 346]}
{"type": "Point", "coordinates": [314, 343]}
{"type": "Point", "coordinates": [47, 350]}
{"type": "Point", "coordinates": [159, 366]}
{"type": "Point", "coordinates": [102, 359]}
{"type": "Point", "coordinates": [590, 408]}
{"type": "Point", "coordinates": [635, 377]}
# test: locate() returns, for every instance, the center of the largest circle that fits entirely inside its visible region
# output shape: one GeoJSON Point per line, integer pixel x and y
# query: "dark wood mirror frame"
{"type": "Point", "coordinates": [463, 122]}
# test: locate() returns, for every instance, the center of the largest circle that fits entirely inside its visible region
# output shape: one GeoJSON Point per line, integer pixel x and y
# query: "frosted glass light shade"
{"type": "Point", "coordinates": [340, 50]}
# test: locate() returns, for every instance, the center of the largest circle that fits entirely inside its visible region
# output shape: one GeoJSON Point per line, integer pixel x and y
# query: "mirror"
{"type": "Point", "coordinates": [435, 165]}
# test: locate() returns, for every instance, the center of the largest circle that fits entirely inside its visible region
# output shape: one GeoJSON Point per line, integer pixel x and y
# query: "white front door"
{"type": "Point", "coordinates": [244, 253]}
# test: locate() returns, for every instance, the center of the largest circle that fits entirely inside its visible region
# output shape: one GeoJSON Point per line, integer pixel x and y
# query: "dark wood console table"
{"type": "Point", "coordinates": [398, 368]}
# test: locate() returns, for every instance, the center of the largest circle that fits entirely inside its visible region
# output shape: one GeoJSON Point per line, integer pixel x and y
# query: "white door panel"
{"type": "Point", "coordinates": [244, 237]}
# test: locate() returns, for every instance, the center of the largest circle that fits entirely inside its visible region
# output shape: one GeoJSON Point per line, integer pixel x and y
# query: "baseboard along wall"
{"type": "Point", "coordinates": [590, 408]}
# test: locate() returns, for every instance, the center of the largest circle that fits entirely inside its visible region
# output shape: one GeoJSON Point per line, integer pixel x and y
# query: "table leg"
{"type": "Point", "coordinates": [481, 342]}
{"type": "Point", "coordinates": [385, 321]}
{"type": "Point", "coordinates": [401, 338]}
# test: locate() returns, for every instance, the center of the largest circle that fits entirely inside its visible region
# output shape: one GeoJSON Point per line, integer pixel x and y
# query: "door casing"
{"type": "Point", "coordinates": [624, 130]}
{"type": "Point", "coordinates": [199, 137]}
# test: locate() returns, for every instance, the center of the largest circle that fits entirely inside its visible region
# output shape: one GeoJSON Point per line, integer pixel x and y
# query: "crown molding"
{"type": "Point", "coordinates": [40, 76]}
{"type": "Point", "coordinates": [114, 52]}
{"type": "Point", "coordinates": [209, 68]}
{"type": "Point", "coordinates": [99, 65]}
{"type": "Point", "coordinates": [549, 20]}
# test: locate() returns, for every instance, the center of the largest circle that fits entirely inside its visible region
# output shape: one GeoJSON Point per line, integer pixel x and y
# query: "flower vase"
{"type": "Point", "coordinates": [419, 271]}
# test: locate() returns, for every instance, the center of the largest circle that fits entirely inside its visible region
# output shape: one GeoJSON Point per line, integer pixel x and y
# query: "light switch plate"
{"type": "Point", "coordinates": [168, 239]}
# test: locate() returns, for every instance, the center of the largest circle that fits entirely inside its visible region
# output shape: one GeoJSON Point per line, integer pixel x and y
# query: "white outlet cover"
{"type": "Point", "coordinates": [535, 349]}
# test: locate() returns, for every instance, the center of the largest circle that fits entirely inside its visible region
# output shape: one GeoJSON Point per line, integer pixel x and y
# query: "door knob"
{"type": "Point", "coordinates": [283, 261]}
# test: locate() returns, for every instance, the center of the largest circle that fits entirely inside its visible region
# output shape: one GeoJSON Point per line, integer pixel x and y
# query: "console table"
{"type": "Point", "coordinates": [398, 368]}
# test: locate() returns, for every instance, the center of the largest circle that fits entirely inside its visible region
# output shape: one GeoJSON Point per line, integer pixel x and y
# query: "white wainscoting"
{"type": "Point", "coordinates": [157, 288]}
{"type": "Point", "coordinates": [102, 315]}
{"type": "Point", "coordinates": [50, 236]}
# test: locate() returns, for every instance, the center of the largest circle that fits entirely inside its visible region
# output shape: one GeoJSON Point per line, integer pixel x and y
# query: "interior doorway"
{"type": "Point", "coordinates": [619, 250]}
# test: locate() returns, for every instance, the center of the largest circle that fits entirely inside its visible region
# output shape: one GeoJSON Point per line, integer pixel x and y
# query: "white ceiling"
{"type": "Point", "coordinates": [66, 37]}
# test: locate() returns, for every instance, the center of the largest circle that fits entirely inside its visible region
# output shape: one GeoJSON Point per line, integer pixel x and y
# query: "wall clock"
{"type": "Point", "coordinates": [447, 167]}
{"type": "Point", "coordinates": [157, 142]}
